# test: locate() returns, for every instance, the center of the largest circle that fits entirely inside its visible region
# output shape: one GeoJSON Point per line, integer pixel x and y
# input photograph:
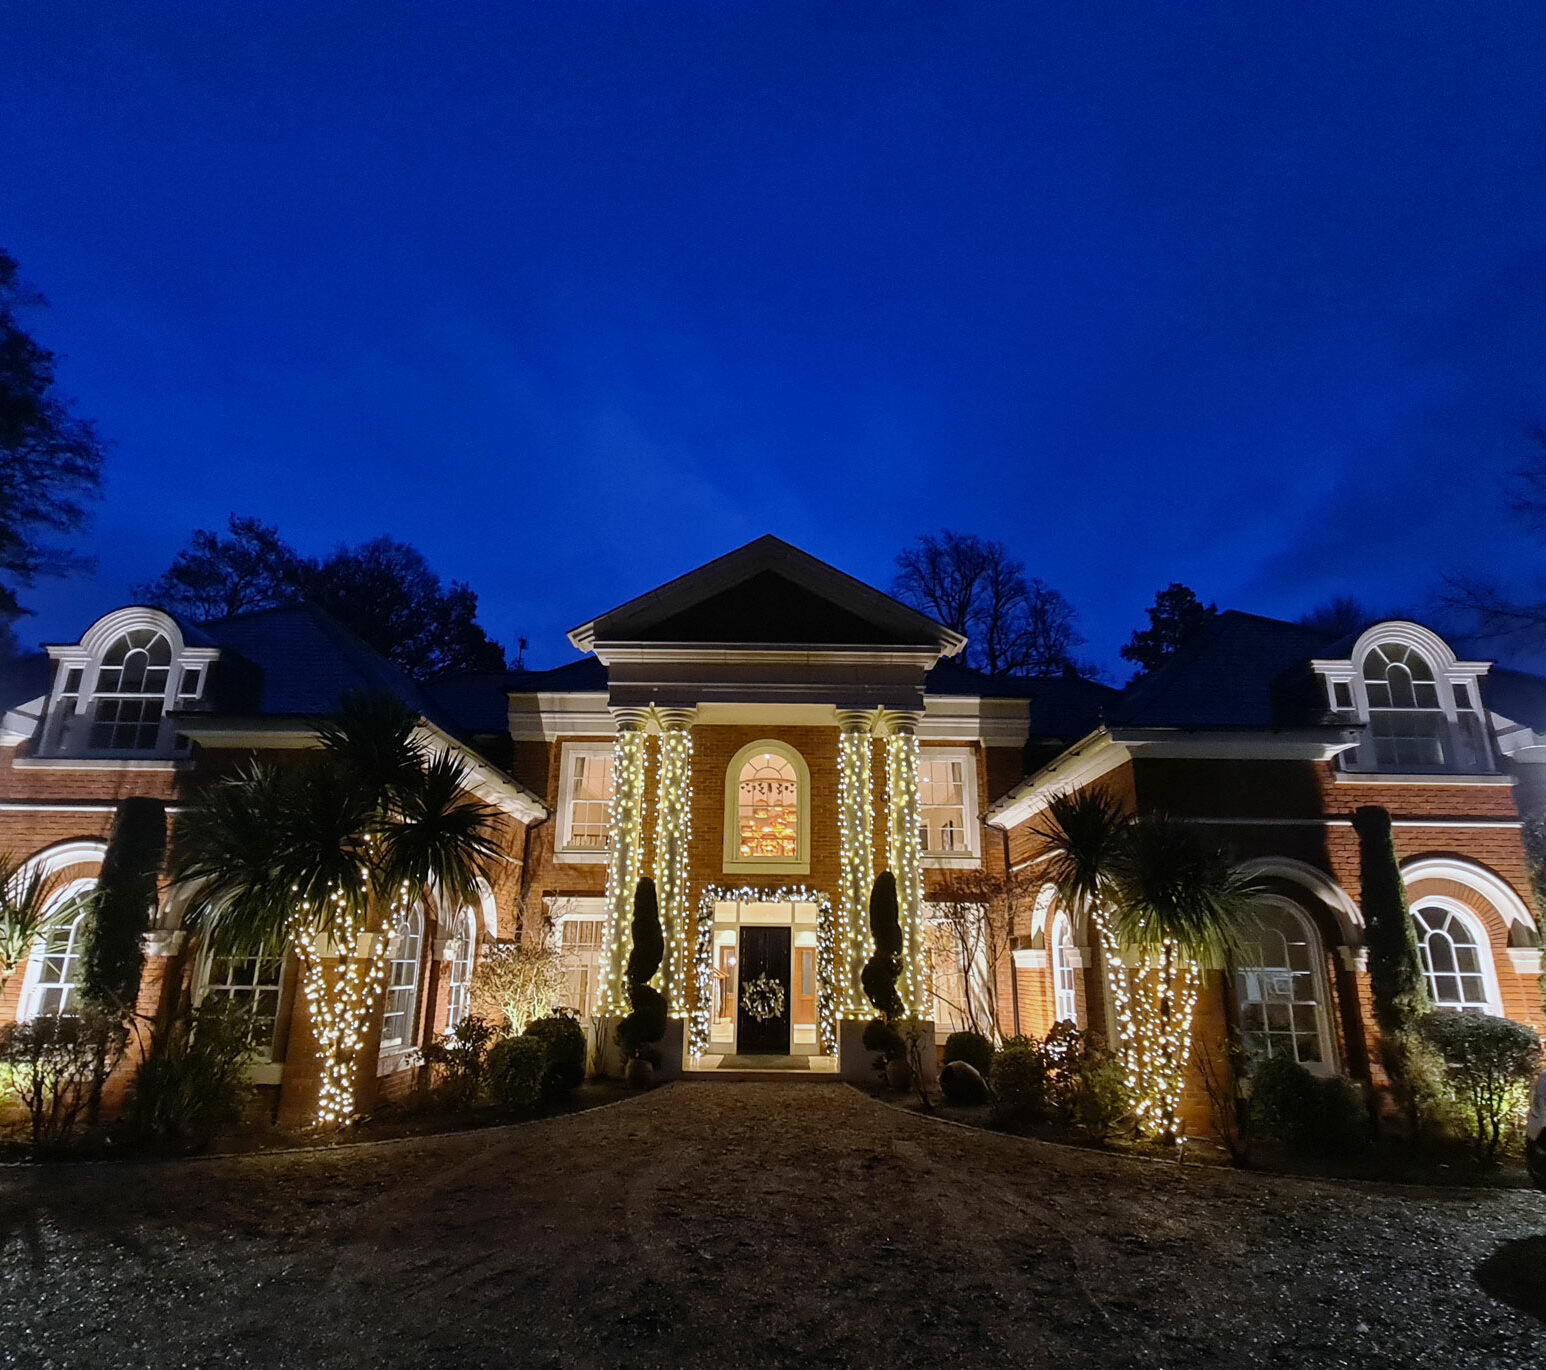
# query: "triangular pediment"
{"type": "Point", "coordinates": [768, 593]}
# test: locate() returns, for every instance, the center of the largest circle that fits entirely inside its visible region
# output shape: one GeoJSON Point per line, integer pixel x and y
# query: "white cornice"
{"type": "Point", "coordinates": [961, 718]}
{"type": "Point", "coordinates": [762, 654]}
{"type": "Point", "coordinates": [546, 717]}
{"type": "Point", "coordinates": [489, 783]}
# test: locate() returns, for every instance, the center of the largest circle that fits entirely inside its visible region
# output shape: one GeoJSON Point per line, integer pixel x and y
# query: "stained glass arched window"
{"type": "Point", "coordinates": [768, 809]}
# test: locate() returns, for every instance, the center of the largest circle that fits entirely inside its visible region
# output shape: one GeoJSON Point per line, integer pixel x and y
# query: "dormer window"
{"type": "Point", "coordinates": [114, 689]}
{"type": "Point", "coordinates": [1421, 706]}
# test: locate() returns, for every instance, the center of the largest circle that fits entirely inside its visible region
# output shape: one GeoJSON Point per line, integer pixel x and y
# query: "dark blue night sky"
{"type": "Point", "coordinates": [575, 296]}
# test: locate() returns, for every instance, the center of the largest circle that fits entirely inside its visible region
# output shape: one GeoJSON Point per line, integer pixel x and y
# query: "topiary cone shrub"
{"type": "Point", "coordinates": [640, 1030]}
{"type": "Point", "coordinates": [880, 972]}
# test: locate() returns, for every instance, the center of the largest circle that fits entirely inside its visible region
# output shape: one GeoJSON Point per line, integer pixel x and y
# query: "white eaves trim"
{"type": "Point", "coordinates": [490, 784]}
{"type": "Point", "coordinates": [546, 717]}
{"type": "Point", "coordinates": [969, 718]}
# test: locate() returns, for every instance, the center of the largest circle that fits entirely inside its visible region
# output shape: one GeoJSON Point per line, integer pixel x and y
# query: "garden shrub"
{"type": "Point", "coordinates": [1018, 1079]}
{"type": "Point", "coordinates": [879, 975]}
{"type": "Point", "coordinates": [1491, 1064]}
{"type": "Point", "coordinates": [1308, 1114]}
{"type": "Point", "coordinates": [971, 1047]}
{"type": "Point", "coordinates": [459, 1059]}
{"type": "Point", "coordinates": [50, 1063]}
{"type": "Point", "coordinates": [882, 1037]}
{"type": "Point", "coordinates": [565, 1042]}
{"type": "Point", "coordinates": [962, 1084]}
{"type": "Point", "coordinates": [640, 1029]}
{"type": "Point", "coordinates": [192, 1082]}
{"type": "Point", "coordinates": [517, 1068]}
{"type": "Point", "coordinates": [1086, 1085]}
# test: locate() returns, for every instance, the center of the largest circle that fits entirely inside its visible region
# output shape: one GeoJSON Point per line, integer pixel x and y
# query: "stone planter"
{"type": "Point", "coordinates": [639, 1073]}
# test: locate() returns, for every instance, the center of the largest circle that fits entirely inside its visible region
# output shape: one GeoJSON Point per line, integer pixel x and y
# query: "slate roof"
{"type": "Point", "coordinates": [477, 703]}
{"type": "Point", "coordinates": [1062, 706]}
{"type": "Point", "coordinates": [1242, 671]}
{"type": "Point", "coordinates": [1518, 696]}
{"type": "Point", "coordinates": [24, 678]}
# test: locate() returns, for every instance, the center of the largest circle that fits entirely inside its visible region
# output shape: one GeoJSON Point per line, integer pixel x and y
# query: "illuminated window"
{"type": "Point", "coordinates": [1065, 973]}
{"type": "Point", "coordinates": [250, 985]}
{"type": "Point", "coordinates": [459, 990]}
{"type": "Point", "coordinates": [56, 988]}
{"type": "Point", "coordinates": [586, 798]}
{"type": "Point", "coordinates": [942, 815]}
{"type": "Point", "coordinates": [768, 809]}
{"type": "Point", "coordinates": [402, 997]}
{"type": "Point", "coordinates": [580, 941]}
{"type": "Point", "coordinates": [1451, 949]}
{"type": "Point", "coordinates": [1278, 988]}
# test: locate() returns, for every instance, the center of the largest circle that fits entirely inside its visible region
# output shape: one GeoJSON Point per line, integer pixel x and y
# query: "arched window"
{"type": "Point", "coordinates": [1406, 717]}
{"type": "Point", "coordinates": [1452, 950]}
{"type": "Point", "coordinates": [402, 997]}
{"type": "Point", "coordinates": [459, 992]}
{"type": "Point", "coordinates": [55, 984]}
{"type": "Point", "coordinates": [1065, 973]}
{"type": "Point", "coordinates": [767, 809]}
{"type": "Point", "coordinates": [130, 692]}
{"type": "Point", "coordinates": [1278, 984]}
{"type": "Point", "coordinates": [249, 984]}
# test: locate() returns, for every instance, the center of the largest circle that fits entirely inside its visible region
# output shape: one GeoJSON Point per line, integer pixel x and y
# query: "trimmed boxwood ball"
{"type": "Point", "coordinates": [962, 1084]}
{"type": "Point", "coordinates": [517, 1068]}
{"type": "Point", "coordinates": [971, 1047]}
{"type": "Point", "coordinates": [565, 1042]}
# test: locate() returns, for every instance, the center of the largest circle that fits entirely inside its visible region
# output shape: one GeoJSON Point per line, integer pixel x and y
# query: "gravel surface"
{"type": "Point", "coordinates": [762, 1225]}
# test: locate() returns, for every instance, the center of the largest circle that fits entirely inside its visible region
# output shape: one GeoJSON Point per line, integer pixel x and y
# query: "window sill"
{"type": "Point", "coordinates": [102, 763]}
{"type": "Point", "coordinates": [581, 858]}
{"type": "Point", "coordinates": [767, 867]}
{"type": "Point", "coordinates": [395, 1059]}
{"type": "Point", "coordinates": [960, 860]}
{"type": "Point", "coordinates": [1420, 778]}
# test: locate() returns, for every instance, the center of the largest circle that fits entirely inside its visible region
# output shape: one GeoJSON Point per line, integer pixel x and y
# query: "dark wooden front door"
{"type": "Point", "coordinates": [762, 1005]}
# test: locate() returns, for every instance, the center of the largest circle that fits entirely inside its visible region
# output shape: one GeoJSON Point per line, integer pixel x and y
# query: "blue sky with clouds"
{"type": "Point", "coordinates": [576, 296]}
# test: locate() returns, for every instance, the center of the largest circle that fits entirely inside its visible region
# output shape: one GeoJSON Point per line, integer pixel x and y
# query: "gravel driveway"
{"type": "Point", "coordinates": [760, 1225]}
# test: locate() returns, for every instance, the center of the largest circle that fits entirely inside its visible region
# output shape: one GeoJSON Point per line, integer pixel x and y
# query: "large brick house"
{"type": "Point", "coordinates": [763, 735]}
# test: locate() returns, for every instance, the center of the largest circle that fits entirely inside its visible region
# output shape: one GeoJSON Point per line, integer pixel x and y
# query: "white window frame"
{"type": "Point", "coordinates": [459, 968]}
{"type": "Point", "coordinates": [393, 1046]}
{"type": "Point", "coordinates": [1327, 1065]}
{"type": "Point", "coordinates": [1065, 959]}
{"type": "Point", "coordinates": [581, 910]}
{"type": "Point", "coordinates": [800, 862]}
{"type": "Point", "coordinates": [565, 852]}
{"type": "Point", "coordinates": [204, 984]}
{"type": "Point", "coordinates": [32, 982]}
{"type": "Point", "coordinates": [970, 814]}
{"type": "Point", "coordinates": [1478, 929]}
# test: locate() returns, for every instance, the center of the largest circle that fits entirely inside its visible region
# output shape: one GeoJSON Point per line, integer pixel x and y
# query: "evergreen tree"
{"type": "Point", "coordinates": [112, 955]}
{"type": "Point", "coordinates": [880, 972]}
{"type": "Point", "coordinates": [1175, 618]}
{"type": "Point", "coordinates": [647, 1022]}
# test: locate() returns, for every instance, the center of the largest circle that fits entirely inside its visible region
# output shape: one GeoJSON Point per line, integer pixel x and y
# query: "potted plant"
{"type": "Point", "coordinates": [639, 1030]}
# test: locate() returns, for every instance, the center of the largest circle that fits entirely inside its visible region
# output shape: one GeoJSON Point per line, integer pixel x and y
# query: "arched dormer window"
{"type": "Point", "coordinates": [113, 691]}
{"type": "Point", "coordinates": [1420, 706]}
{"type": "Point", "coordinates": [767, 810]}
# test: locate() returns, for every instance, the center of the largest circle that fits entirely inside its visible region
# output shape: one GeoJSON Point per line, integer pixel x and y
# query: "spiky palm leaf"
{"type": "Point", "coordinates": [372, 739]}
{"type": "Point", "coordinates": [439, 836]}
{"type": "Point", "coordinates": [25, 895]}
{"type": "Point", "coordinates": [1083, 833]}
{"type": "Point", "coordinates": [1173, 883]}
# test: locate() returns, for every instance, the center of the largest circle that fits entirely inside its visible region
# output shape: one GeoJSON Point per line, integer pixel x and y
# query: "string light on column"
{"type": "Point", "coordinates": [625, 832]}
{"type": "Point", "coordinates": [856, 856]}
{"type": "Point", "coordinates": [673, 835]}
{"type": "Point", "coordinates": [903, 856]}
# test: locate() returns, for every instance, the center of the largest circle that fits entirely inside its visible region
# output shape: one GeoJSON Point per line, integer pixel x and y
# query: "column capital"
{"type": "Point", "coordinates": [856, 720]}
{"type": "Point", "coordinates": [628, 719]}
{"type": "Point", "coordinates": [901, 722]}
{"type": "Point", "coordinates": [676, 719]}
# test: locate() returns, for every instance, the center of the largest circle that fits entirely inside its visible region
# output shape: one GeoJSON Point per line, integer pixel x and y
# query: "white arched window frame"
{"type": "Point", "coordinates": [115, 689]}
{"type": "Point", "coordinates": [1065, 971]}
{"type": "Point", "coordinates": [463, 954]}
{"type": "Point", "coordinates": [1422, 707]}
{"type": "Point", "coordinates": [52, 982]}
{"type": "Point", "coordinates": [1456, 956]}
{"type": "Point", "coordinates": [402, 996]}
{"type": "Point", "coordinates": [1281, 992]}
{"type": "Point", "coordinates": [768, 810]}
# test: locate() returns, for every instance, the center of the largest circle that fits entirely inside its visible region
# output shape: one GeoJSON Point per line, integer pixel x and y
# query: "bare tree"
{"type": "Point", "coordinates": [974, 918]}
{"type": "Point", "coordinates": [1014, 625]}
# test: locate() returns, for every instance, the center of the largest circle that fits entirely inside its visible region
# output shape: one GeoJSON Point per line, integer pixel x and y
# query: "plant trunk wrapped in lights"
{"type": "Point", "coordinates": [327, 856]}
{"type": "Point", "coordinates": [1161, 895]}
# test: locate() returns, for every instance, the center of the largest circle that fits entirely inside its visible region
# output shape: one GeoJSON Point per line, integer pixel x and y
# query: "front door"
{"type": "Point", "coordinates": [762, 1006]}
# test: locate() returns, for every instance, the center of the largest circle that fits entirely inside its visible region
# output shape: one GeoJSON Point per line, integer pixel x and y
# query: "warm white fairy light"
{"type": "Point", "coordinates": [903, 856]}
{"type": "Point", "coordinates": [827, 988]}
{"type": "Point", "coordinates": [856, 858]}
{"type": "Point", "coordinates": [625, 840]}
{"type": "Point", "coordinates": [673, 834]}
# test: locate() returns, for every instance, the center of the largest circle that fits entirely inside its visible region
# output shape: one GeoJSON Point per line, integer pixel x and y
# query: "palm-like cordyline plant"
{"type": "Point", "coordinates": [1157, 889]}
{"type": "Point", "coordinates": [342, 844]}
{"type": "Point", "coordinates": [25, 895]}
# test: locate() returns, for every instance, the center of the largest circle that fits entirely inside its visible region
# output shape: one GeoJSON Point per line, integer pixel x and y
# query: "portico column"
{"type": "Point", "coordinates": [902, 854]}
{"type": "Point", "coordinates": [856, 857]}
{"type": "Point", "coordinates": [673, 833]}
{"type": "Point", "coordinates": [625, 839]}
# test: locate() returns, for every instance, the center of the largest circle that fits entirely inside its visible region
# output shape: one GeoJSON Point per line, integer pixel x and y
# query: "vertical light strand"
{"type": "Point", "coordinates": [856, 859]}
{"type": "Point", "coordinates": [673, 835]}
{"type": "Point", "coordinates": [903, 856]}
{"type": "Point", "coordinates": [625, 844]}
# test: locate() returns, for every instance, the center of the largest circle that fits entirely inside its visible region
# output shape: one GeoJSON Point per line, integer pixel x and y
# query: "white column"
{"type": "Point", "coordinates": [856, 858]}
{"type": "Point", "coordinates": [673, 834]}
{"type": "Point", "coordinates": [625, 841]}
{"type": "Point", "coordinates": [903, 857]}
